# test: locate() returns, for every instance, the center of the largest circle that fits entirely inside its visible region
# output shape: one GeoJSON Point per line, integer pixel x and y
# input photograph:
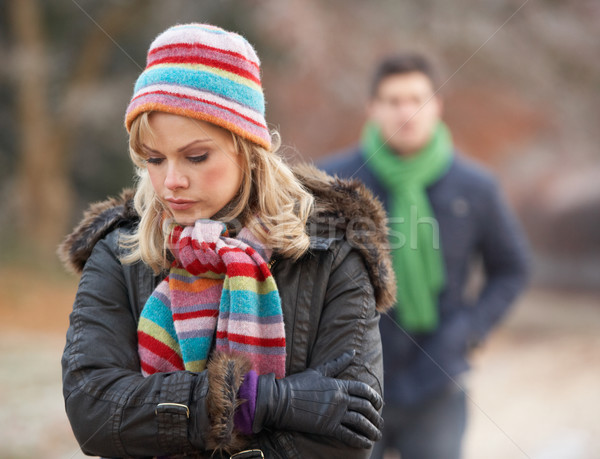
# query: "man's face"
{"type": "Point", "coordinates": [406, 111]}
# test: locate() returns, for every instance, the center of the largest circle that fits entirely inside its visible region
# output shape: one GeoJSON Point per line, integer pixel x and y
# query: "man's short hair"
{"type": "Point", "coordinates": [399, 64]}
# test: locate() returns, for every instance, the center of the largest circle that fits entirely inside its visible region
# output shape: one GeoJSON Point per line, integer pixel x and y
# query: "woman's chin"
{"type": "Point", "coordinates": [190, 217]}
{"type": "Point", "coordinates": [187, 220]}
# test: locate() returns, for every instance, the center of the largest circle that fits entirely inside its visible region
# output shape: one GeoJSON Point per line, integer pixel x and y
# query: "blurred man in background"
{"type": "Point", "coordinates": [444, 213]}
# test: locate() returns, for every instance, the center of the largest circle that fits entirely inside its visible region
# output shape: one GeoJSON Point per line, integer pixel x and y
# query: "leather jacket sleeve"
{"type": "Point", "coordinates": [348, 320]}
{"type": "Point", "coordinates": [114, 411]}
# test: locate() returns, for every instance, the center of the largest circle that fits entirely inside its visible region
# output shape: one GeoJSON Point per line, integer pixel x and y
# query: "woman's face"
{"type": "Point", "coordinates": [193, 166]}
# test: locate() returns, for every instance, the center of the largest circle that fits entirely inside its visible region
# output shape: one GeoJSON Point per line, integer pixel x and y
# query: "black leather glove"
{"type": "Point", "coordinates": [314, 402]}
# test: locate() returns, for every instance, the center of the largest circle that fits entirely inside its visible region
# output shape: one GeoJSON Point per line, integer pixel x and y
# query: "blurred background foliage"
{"type": "Point", "coordinates": [520, 83]}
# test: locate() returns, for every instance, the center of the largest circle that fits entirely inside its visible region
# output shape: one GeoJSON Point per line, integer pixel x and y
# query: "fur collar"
{"type": "Point", "coordinates": [345, 204]}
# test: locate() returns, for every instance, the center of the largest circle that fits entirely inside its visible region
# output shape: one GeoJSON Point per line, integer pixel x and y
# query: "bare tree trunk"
{"type": "Point", "coordinates": [43, 192]}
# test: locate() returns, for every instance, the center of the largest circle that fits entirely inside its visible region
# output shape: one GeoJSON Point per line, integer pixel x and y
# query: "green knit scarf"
{"type": "Point", "coordinates": [413, 233]}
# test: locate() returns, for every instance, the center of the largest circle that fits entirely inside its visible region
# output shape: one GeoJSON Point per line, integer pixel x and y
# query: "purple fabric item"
{"type": "Point", "coordinates": [244, 415]}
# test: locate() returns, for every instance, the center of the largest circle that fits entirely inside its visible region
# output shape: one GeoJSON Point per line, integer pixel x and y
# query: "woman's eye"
{"type": "Point", "coordinates": [154, 160]}
{"type": "Point", "coordinates": [197, 158]}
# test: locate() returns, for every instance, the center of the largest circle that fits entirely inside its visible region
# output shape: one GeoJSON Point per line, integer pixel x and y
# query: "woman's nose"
{"type": "Point", "coordinates": [176, 178]}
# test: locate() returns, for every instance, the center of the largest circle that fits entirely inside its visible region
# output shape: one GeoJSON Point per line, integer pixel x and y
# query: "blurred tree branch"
{"type": "Point", "coordinates": [44, 193]}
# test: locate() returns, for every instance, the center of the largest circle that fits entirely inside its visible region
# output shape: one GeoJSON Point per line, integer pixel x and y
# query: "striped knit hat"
{"type": "Point", "coordinates": [203, 72]}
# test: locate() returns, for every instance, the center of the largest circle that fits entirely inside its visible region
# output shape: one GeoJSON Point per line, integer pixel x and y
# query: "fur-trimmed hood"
{"type": "Point", "coordinates": [344, 206]}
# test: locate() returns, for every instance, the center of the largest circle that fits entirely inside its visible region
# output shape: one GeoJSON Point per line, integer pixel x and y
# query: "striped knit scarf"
{"type": "Point", "coordinates": [216, 283]}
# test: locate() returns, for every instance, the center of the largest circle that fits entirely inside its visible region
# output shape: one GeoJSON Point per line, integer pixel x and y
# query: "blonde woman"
{"type": "Point", "coordinates": [230, 306]}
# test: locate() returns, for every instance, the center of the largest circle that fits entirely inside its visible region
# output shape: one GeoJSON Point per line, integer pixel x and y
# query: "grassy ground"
{"type": "Point", "coordinates": [533, 390]}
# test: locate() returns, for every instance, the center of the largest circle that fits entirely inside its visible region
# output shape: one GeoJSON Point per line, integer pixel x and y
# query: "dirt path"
{"type": "Point", "coordinates": [33, 422]}
{"type": "Point", "coordinates": [33, 323]}
{"type": "Point", "coordinates": [534, 388]}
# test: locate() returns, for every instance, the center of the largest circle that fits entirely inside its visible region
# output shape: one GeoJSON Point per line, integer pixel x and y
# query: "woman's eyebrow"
{"type": "Point", "coordinates": [151, 150]}
{"type": "Point", "coordinates": [208, 139]}
{"type": "Point", "coordinates": [192, 143]}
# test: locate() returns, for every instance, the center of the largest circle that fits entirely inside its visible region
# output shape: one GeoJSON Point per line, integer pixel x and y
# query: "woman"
{"type": "Point", "coordinates": [230, 307]}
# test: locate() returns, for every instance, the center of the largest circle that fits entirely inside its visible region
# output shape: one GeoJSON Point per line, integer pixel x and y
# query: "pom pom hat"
{"type": "Point", "coordinates": [203, 72]}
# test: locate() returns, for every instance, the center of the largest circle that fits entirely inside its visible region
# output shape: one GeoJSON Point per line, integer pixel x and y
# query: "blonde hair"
{"type": "Point", "coordinates": [271, 202]}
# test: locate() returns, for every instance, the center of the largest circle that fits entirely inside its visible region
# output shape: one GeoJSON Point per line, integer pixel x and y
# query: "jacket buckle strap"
{"type": "Point", "coordinates": [172, 422]}
{"type": "Point", "coordinates": [175, 406]}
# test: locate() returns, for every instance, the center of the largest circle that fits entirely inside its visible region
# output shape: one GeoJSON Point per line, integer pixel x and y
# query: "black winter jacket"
{"type": "Point", "coordinates": [331, 301]}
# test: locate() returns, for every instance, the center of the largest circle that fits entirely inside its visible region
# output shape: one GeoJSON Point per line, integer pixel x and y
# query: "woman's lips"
{"type": "Point", "coordinates": [180, 204]}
